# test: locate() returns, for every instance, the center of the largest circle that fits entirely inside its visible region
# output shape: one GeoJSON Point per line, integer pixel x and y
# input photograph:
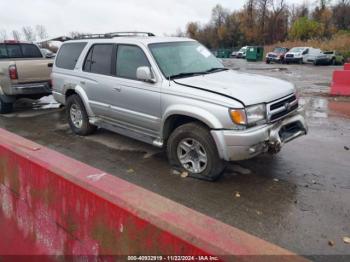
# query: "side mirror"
{"type": "Point", "coordinates": [144, 73]}
{"type": "Point", "coordinates": [49, 55]}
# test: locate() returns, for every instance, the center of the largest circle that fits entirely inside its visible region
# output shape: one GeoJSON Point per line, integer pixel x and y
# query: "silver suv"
{"type": "Point", "coordinates": [173, 93]}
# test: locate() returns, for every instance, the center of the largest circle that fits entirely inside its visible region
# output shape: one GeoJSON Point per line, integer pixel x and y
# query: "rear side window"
{"type": "Point", "coordinates": [69, 54]}
{"type": "Point", "coordinates": [129, 58]}
{"type": "Point", "coordinates": [99, 59]}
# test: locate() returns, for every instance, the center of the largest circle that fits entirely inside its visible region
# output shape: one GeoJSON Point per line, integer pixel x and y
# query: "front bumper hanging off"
{"type": "Point", "coordinates": [241, 145]}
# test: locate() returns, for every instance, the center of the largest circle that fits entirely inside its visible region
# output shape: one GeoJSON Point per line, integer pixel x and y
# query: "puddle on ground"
{"type": "Point", "coordinates": [324, 107]}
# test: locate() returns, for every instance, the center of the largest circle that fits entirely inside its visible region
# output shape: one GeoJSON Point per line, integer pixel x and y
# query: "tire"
{"type": "Point", "coordinates": [5, 108]}
{"type": "Point", "coordinates": [333, 62]}
{"type": "Point", "coordinates": [75, 106]}
{"type": "Point", "coordinates": [268, 61]}
{"type": "Point", "coordinates": [202, 140]}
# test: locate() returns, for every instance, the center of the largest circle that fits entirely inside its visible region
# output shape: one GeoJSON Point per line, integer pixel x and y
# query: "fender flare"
{"type": "Point", "coordinates": [190, 111]}
{"type": "Point", "coordinates": [81, 93]}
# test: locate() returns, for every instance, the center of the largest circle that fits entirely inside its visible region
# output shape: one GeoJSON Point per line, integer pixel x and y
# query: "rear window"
{"type": "Point", "coordinates": [69, 54]}
{"type": "Point", "coordinates": [19, 51]}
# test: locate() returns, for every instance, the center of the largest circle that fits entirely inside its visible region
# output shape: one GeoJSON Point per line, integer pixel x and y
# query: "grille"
{"type": "Point", "coordinates": [272, 55]}
{"type": "Point", "coordinates": [281, 108]}
{"type": "Point", "coordinates": [290, 55]}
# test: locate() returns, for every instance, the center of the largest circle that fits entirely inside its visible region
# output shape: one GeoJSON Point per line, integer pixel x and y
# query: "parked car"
{"type": "Point", "coordinates": [234, 54]}
{"type": "Point", "coordinates": [329, 58]}
{"type": "Point", "coordinates": [173, 93]}
{"type": "Point", "coordinates": [242, 53]}
{"type": "Point", "coordinates": [24, 72]}
{"type": "Point", "coordinates": [302, 55]}
{"type": "Point", "coordinates": [47, 53]}
{"type": "Point", "coordinates": [277, 55]}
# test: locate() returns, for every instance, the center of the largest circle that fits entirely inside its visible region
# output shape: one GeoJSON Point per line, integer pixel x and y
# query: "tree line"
{"type": "Point", "coordinates": [265, 22]}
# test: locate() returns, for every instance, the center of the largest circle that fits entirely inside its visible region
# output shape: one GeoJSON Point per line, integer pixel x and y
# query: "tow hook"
{"type": "Point", "coordinates": [274, 144]}
{"type": "Point", "coordinates": [274, 147]}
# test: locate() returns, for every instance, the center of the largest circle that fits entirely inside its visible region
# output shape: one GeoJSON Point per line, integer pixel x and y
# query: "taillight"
{"type": "Point", "coordinates": [13, 72]}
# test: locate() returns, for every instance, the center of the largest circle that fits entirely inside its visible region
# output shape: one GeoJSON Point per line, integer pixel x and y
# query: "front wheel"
{"type": "Point", "coordinates": [78, 118]}
{"type": "Point", "coordinates": [192, 149]}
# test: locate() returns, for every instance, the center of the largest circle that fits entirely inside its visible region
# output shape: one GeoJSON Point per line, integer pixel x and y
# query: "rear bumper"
{"type": "Point", "coordinates": [242, 145]}
{"type": "Point", "coordinates": [30, 89]}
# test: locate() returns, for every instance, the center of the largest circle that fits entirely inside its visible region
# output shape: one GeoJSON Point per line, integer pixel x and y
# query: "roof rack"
{"type": "Point", "coordinates": [135, 33]}
{"type": "Point", "coordinates": [114, 34]}
{"type": "Point", "coordinates": [92, 36]}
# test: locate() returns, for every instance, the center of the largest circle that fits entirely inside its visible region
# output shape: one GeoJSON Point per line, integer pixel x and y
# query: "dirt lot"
{"type": "Point", "coordinates": [298, 199]}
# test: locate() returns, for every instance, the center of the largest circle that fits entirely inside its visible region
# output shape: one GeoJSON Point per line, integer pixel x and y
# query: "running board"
{"type": "Point", "coordinates": [157, 142]}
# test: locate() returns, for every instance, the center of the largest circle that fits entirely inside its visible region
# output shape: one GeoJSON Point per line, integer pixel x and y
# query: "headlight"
{"type": "Point", "coordinates": [250, 116]}
{"type": "Point", "coordinates": [256, 113]}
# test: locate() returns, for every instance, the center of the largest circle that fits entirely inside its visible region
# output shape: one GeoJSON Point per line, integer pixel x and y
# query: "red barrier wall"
{"type": "Point", "coordinates": [341, 83]}
{"type": "Point", "coordinates": [347, 66]}
{"type": "Point", "coordinates": [51, 204]}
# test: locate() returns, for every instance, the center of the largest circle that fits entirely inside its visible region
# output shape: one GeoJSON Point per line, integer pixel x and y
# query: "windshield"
{"type": "Point", "coordinates": [182, 58]}
{"type": "Point", "coordinates": [243, 49]}
{"type": "Point", "coordinates": [279, 50]}
{"type": "Point", "coordinates": [297, 49]}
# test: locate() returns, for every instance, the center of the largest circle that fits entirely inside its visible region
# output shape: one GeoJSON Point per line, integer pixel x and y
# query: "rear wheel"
{"type": "Point", "coordinates": [77, 116]}
{"type": "Point", "coordinates": [5, 108]}
{"type": "Point", "coordinates": [192, 149]}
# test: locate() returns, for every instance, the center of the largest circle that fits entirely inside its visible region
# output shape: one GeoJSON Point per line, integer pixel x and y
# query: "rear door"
{"type": "Point", "coordinates": [99, 82]}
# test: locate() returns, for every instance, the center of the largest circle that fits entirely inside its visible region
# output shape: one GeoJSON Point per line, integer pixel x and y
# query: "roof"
{"type": "Point", "coordinates": [135, 40]}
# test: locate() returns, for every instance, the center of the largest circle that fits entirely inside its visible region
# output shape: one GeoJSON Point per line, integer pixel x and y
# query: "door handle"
{"type": "Point", "coordinates": [118, 89]}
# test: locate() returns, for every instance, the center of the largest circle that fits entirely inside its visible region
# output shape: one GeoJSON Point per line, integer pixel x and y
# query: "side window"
{"type": "Point", "coordinates": [68, 55]}
{"type": "Point", "coordinates": [30, 51]}
{"type": "Point", "coordinates": [3, 51]}
{"type": "Point", "coordinates": [99, 59]}
{"type": "Point", "coordinates": [129, 58]}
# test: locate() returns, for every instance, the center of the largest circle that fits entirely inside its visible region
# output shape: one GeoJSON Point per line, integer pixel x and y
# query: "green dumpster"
{"type": "Point", "coordinates": [255, 53]}
{"type": "Point", "coordinates": [223, 53]}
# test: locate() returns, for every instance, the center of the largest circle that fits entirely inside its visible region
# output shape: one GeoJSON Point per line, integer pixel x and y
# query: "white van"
{"type": "Point", "coordinates": [302, 55]}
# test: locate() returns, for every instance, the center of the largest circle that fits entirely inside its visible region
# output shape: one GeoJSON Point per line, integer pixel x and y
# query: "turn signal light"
{"type": "Point", "coordinates": [238, 116]}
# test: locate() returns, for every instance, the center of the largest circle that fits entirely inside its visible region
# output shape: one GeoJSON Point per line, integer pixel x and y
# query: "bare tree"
{"type": "Point", "coordinates": [41, 32]}
{"type": "Point", "coordinates": [16, 35]}
{"type": "Point", "coordinates": [263, 6]}
{"type": "Point", "coordinates": [3, 34]}
{"type": "Point", "coordinates": [28, 33]}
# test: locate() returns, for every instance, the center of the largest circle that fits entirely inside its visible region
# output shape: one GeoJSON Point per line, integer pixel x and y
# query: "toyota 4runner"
{"type": "Point", "coordinates": [173, 93]}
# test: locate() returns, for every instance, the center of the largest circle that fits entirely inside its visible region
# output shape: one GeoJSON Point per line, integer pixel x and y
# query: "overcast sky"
{"type": "Point", "coordinates": [100, 16]}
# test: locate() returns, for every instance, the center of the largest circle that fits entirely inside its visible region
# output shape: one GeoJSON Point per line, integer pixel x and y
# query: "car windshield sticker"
{"type": "Point", "coordinates": [204, 52]}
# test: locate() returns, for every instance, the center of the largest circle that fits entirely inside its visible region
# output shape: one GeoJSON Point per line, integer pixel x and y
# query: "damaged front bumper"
{"type": "Point", "coordinates": [241, 145]}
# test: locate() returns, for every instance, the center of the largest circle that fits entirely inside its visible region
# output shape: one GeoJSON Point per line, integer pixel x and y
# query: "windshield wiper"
{"type": "Point", "coordinates": [216, 69]}
{"type": "Point", "coordinates": [181, 75]}
{"type": "Point", "coordinates": [211, 70]}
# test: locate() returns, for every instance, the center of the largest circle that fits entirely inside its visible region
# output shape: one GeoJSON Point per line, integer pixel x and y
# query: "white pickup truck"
{"type": "Point", "coordinates": [24, 72]}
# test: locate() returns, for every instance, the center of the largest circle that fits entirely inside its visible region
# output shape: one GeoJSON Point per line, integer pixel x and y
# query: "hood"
{"type": "Point", "coordinates": [277, 53]}
{"type": "Point", "coordinates": [247, 88]}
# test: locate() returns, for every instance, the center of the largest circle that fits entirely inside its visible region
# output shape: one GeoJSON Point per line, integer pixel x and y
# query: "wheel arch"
{"type": "Point", "coordinates": [78, 90]}
{"type": "Point", "coordinates": [186, 114]}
